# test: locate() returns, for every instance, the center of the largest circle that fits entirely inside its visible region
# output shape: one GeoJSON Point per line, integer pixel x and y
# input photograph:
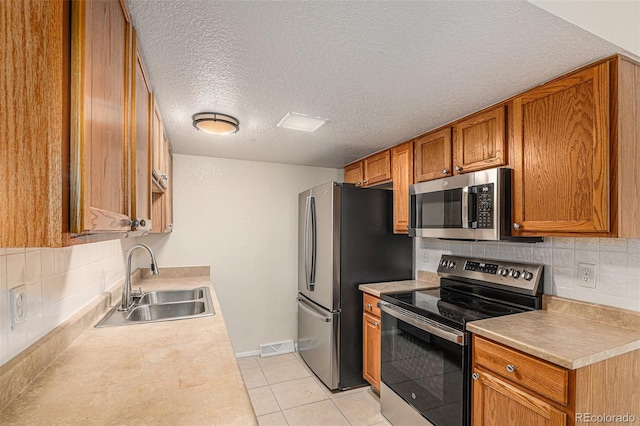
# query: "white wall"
{"type": "Point", "coordinates": [58, 282]}
{"type": "Point", "coordinates": [615, 21]}
{"type": "Point", "coordinates": [240, 218]}
{"type": "Point", "coordinates": [617, 264]}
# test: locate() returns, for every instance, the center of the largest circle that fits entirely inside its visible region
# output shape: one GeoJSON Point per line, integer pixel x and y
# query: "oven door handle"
{"type": "Point", "coordinates": [425, 324]}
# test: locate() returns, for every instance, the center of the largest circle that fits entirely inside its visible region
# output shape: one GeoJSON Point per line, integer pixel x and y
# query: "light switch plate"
{"type": "Point", "coordinates": [18, 302]}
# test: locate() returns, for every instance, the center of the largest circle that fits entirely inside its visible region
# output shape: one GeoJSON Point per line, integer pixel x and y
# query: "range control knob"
{"type": "Point", "coordinates": [527, 275]}
{"type": "Point", "coordinates": [444, 263]}
{"type": "Point", "coordinates": [503, 271]}
{"type": "Point", "coordinates": [515, 273]}
{"type": "Point", "coordinates": [452, 264]}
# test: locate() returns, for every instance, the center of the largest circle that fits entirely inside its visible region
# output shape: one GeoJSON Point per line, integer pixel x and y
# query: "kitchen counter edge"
{"type": "Point", "coordinates": [566, 333]}
{"type": "Point", "coordinates": [181, 371]}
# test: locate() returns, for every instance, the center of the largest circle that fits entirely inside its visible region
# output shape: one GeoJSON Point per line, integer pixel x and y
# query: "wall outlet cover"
{"type": "Point", "coordinates": [18, 302]}
{"type": "Point", "coordinates": [587, 275]}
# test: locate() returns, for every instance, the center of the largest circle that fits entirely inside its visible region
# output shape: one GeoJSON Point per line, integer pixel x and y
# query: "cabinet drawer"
{"type": "Point", "coordinates": [539, 376]}
{"type": "Point", "coordinates": [370, 304]}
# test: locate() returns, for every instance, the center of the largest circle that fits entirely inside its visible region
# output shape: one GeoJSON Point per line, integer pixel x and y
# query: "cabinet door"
{"type": "Point", "coordinates": [561, 154]}
{"type": "Point", "coordinates": [496, 402]}
{"type": "Point", "coordinates": [168, 226]}
{"type": "Point", "coordinates": [433, 155]}
{"type": "Point", "coordinates": [34, 124]}
{"type": "Point", "coordinates": [353, 173]}
{"type": "Point", "coordinates": [101, 70]}
{"type": "Point", "coordinates": [402, 177]}
{"type": "Point", "coordinates": [141, 146]}
{"type": "Point", "coordinates": [371, 350]}
{"type": "Point", "coordinates": [377, 168]}
{"type": "Point", "coordinates": [480, 142]}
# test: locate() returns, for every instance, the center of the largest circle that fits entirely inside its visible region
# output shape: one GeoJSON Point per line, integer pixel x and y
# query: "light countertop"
{"type": "Point", "coordinates": [565, 335]}
{"type": "Point", "coordinates": [427, 280]}
{"type": "Point", "coordinates": [173, 372]}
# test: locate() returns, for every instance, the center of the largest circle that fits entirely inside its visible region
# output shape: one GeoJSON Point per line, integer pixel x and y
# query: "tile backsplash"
{"type": "Point", "coordinates": [58, 283]}
{"type": "Point", "coordinates": [617, 263]}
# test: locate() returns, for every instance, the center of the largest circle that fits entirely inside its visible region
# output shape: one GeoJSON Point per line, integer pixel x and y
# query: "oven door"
{"type": "Point", "coordinates": [425, 365]}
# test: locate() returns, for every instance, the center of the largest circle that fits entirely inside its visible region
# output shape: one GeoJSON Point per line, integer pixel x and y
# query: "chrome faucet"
{"type": "Point", "coordinates": [127, 300]}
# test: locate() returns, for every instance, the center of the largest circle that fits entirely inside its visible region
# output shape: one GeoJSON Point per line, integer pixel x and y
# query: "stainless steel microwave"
{"type": "Point", "coordinates": [472, 206]}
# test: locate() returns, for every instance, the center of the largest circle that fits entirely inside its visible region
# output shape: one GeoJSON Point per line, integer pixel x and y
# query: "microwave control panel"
{"type": "Point", "coordinates": [485, 206]}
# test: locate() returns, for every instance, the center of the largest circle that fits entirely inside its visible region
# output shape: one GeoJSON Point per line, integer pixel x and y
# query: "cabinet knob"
{"type": "Point", "coordinates": [475, 376]}
{"type": "Point", "coordinates": [511, 368]}
{"type": "Point", "coordinates": [458, 169]}
{"type": "Point", "coordinates": [369, 306]}
{"type": "Point", "coordinates": [445, 171]}
{"type": "Point", "coordinates": [366, 181]}
{"type": "Point", "coordinates": [516, 226]}
{"type": "Point", "coordinates": [358, 183]}
{"type": "Point", "coordinates": [376, 324]}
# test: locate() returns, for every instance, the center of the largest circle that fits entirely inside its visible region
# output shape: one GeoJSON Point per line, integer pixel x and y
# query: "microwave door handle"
{"type": "Point", "coordinates": [465, 207]}
{"type": "Point", "coordinates": [472, 215]}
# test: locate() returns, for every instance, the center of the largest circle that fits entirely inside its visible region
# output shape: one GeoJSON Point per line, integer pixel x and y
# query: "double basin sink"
{"type": "Point", "coordinates": [165, 305]}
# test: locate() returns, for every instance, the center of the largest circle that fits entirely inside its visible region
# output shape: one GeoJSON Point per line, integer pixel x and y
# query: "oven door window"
{"type": "Point", "coordinates": [437, 210]}
{"type": "Point", "coordinates": [425, 370]}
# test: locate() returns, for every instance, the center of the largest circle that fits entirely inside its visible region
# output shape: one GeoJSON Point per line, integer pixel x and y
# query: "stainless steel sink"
{"type": "Point", "coordinates": [158, 306]}
{"type": "Point", "coordinates": [170, 296]}
{"type": "Point", "coordinates": [166, 311]}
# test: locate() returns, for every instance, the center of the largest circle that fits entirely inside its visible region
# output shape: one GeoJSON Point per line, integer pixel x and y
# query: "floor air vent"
{"type": "Point", "coordinates": [280, 348]}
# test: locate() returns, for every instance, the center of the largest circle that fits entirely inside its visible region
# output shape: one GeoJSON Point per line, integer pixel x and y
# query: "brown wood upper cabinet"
{"type": "Point", "coordinates": [479, 142]}
{"type": "Point", "coordinates": [34, 147]}
{"type": "Point", "coordinates": [433, 155]}
{"type": "Point", "coordinates": [162, 196]}
{"type": "Point", "coordinates": [100, 113]}
{"type": "Point", "coordinates": [353, 173]}
{"type": "Point", "coordinates": [371, 171]}
{"type": "Point", "coordinates": [402, 177]}
{"type": "Point", "coordinates": [576, 154]}
{"type": "Point", "coordinates": [141, 146]}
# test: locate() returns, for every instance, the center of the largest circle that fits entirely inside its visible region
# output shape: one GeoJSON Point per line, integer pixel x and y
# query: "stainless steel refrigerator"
{"type": "Point", "coordinates": [345, 238]}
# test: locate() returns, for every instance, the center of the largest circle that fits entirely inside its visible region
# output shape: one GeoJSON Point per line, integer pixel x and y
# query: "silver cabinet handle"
{"type": "Point", "coordinates": [475, 376]}
{"type": "Point", "coordinates": [445, 171]}
{"type": "Point", "coordinates": [511, 368]}
{"type": "Point", "coordinates": [516, 226]}
{"type": "Point", "coordinates": [458, 169]}
{"type": "Point", "coordinates": [376, 324]}
{"type": "Point", "coordinates": [369, 306]}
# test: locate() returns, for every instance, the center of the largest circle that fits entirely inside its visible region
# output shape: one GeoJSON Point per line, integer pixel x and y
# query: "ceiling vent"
{"type": "Point", "coordinates": [297, 121]}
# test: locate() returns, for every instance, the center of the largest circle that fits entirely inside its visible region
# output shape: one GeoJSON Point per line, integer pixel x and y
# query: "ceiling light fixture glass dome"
{"type": "Point", "coordinates": [216, 123]}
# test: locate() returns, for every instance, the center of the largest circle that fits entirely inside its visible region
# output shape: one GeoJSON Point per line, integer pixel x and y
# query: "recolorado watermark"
{"type": "Point", "coordinates": [605, 418]}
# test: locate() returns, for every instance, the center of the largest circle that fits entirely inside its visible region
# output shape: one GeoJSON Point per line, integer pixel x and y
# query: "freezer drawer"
{"type": "Point", "coordinates": [318, 340]}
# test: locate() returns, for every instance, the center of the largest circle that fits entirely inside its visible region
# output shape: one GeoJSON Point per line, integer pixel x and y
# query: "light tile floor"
{"type": "Point", "coordinates": [284, 391]}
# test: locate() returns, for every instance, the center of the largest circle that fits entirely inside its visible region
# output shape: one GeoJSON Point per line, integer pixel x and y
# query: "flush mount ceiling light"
{"type": "Point", "coordinates": [215, 123]}
{"type": "Point", "coordinates": [296, 121]}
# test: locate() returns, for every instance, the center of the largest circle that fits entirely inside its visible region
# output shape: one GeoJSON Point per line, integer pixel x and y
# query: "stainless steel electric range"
{"type": "Point", "coordinates": [425, 347]}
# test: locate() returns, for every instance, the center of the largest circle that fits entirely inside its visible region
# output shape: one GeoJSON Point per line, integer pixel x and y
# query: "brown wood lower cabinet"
{"type": "Point", "coordinates": [371, 341]}
{"type": "Point", "coordinates": [510, 387]}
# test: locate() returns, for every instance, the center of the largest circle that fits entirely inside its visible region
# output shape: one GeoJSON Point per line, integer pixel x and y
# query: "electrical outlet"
{"type": "Point", "coordinates": [424, 256]}
{"type": "Point", "coordinates": [18, 300]}
{"type": "Point", "coordinates": [587, 275]}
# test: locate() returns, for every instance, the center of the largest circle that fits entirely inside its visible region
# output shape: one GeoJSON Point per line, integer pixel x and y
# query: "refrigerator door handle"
{"type": "Point", "coordinates": [305, 306]}
{"type": "Point", "coordinates": [310, 234]}
{"type": "Point", "coordinates": [312, 274]}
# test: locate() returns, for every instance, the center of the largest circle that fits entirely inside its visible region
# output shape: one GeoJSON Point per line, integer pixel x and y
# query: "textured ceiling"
{"type": "Point", "coordinates": [381, 71]}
